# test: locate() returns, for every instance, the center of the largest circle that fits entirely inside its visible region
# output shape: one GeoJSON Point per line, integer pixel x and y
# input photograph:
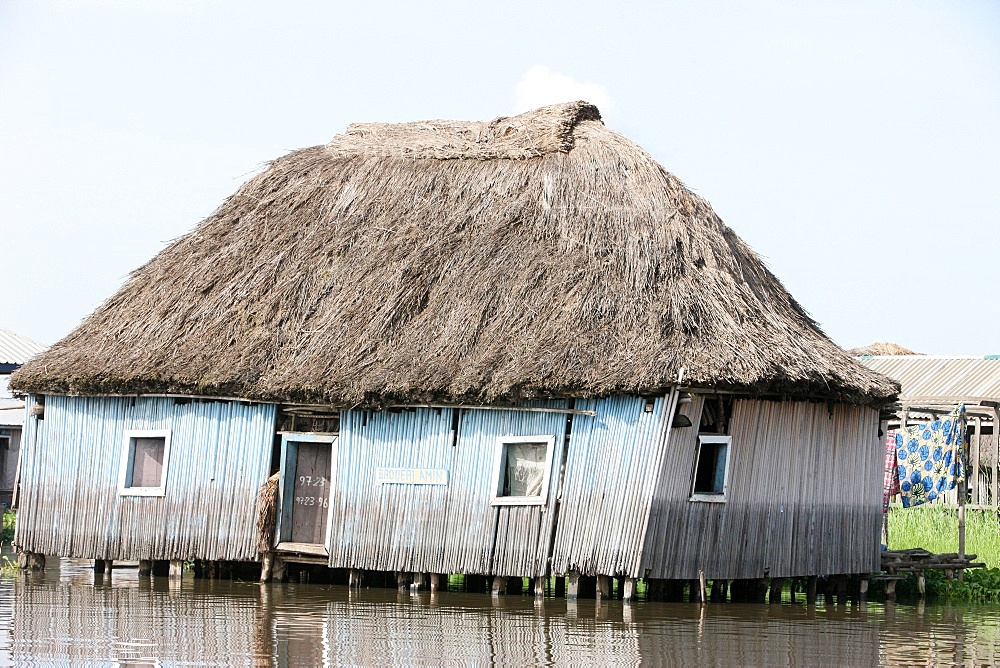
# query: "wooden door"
{"type": "Point", "coordinates": [307, 465]}
{"type": "Point", "coordinates": [311, 493]}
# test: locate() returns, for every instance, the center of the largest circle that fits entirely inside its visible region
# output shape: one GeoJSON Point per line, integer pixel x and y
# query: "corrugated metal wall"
{"type": "Point", "coordinates": [610, 478]}
{"type": "Point", "coordinates": [804, 498]}
{"type": "Point", "coordinates": [437, 528]}
{"type": "Point", "coordinates": [220, 455]}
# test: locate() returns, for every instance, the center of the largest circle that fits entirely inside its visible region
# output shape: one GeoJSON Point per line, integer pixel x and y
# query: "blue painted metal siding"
{"type": "Point", "coordinates": [610, 478]}
{"type": "Point", "coordinates": [431, 528]}
{"type": "Point", "coordinates": [219, 457]}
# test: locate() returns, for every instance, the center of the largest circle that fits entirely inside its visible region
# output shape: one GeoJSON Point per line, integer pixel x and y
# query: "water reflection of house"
{"type": "Point", "coordinates": [510, 349]}
{"type": "Point", "coordinates": [933, 385]}
{"type": "Point", "coordinates": [15, 350]}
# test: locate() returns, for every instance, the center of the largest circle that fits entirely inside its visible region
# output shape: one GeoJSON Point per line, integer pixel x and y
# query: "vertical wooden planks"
{"type": "Point", "coordinates": [804, 497]}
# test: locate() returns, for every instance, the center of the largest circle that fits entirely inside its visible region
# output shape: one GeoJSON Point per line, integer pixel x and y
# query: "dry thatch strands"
{"type": "Point", "coordinates": [536, 256]}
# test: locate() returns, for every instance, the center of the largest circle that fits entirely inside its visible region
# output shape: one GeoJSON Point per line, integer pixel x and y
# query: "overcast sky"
{"type": "Point", "coordinates": [854, 145]}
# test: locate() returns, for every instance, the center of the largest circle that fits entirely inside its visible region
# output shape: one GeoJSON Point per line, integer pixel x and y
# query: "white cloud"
{"type": "Point", "coordinates": [541, 86]}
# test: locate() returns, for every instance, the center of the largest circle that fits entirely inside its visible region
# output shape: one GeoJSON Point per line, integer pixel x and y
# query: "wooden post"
{"type": "Point", "coordinates": [572, 586]}
{"type": "Point", "coordinates": [693, 591]}
{"type": "Point", "coordinates": [863, 589]}
{"type": "Point", "coordinates": [628, 589]}
{"type": "Point", "coordinates": [419, 582]}
{"type": "Point", "coordinates": [109, 566]}
{"type": "Point", "coordinates": [702, 598]}
{"type": "Point", "coordinates": [890, 590]}
{"type": "Point", "coordinates": [354, 579]}
{"type": "Point", "coordinates": [176, 569]}
{"type": "Point", "coordinates": [31, 561]}
{"type": "Point", "coordinates": [98, 565]}
{"type": "Point", "coordinates": [777, 585]}
{"type": "Point", "coordinates": [961, 507]}
{"type": "Point", "coordinates": [402, 580]}
{"type": "Point", "coordinates": [540, 586]}
{"type": "Point", "coordinates": [279, 571]}
{"type": "Point", "coordinates": [841, 583]}
{"type": "Point", "coordinates": [145, 568]}
{"type": "Point", "coordinates": [811, 590]}
{"type": "Point", "coordinates": [499, 585]}
{"type": "Point", "coordinates": [921, 584]}
{"type": "Point", "coordinates": [436, 581]}
{"type": "Point", "coordinates": [995, 458]}
{"type": "Point", "coordinates": [602, 588]}
{"type": "Point", "coordinates": [266, 566]}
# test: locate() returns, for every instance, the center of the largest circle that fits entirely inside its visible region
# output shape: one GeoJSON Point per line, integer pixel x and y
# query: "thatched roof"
{"type": "Point", "coordinates": [539, 255]}
{"type": "Point", "coordinates": [880, 348]}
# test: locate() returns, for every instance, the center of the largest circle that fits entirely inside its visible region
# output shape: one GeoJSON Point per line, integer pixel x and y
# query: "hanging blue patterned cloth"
{"type": "Point", "coordinates": [930, 458]}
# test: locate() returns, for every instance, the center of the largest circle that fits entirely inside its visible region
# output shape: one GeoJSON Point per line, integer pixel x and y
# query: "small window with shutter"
{"type": "Point", "coordinates": [145, 457]}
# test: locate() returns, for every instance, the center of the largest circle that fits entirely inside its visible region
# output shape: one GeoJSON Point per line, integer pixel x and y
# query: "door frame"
{"type": "Point", "coordinates": [286, 487]}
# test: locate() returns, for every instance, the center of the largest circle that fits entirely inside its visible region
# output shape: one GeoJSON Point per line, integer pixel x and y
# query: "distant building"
{"type": "Point", "coordinates": [15, 350]}
{"type": "Point", "coordinates": [933, 385]}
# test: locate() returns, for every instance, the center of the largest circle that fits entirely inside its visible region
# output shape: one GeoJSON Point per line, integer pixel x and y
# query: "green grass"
{"type": "Point", "coordinates": [935, 528]}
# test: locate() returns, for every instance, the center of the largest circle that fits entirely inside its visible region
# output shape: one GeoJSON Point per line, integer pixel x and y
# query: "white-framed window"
{"type": "Point", "coordinates": [521, 470]}
{"type": "Point", "coordinates": [145, 455]}
{"type": "Point", "coordinates": [711, 469]}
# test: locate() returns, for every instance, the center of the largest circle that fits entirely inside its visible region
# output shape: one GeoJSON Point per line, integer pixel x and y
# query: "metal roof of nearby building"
{"type": "Point", "coordinates": [941, 379]}
{"type": "Point", "coordinates": [11, 413]}
{"type": "Point", "coordinates": [16, 349]}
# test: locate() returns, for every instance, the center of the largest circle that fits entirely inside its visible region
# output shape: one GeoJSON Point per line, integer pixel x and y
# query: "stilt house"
{"type": "Point", "coordinates": [508, 348]}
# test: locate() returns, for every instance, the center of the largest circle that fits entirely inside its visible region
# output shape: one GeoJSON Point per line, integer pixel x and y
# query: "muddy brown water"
{"type": "Point", "coordinates": [65, 617]}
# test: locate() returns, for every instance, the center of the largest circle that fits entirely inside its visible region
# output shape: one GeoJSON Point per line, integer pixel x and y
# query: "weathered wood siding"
{"type": "Point", "coordinates": [220, 455]}
{"type": "Point", "coordinates": [437, 528]}
{"type": "Point", "coordinates": [608, 487]}
{"type": "Point", "coordinates": [805, 483]}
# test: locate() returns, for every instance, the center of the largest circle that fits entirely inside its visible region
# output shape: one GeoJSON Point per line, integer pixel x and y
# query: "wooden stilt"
{"type": "Point", "coordinates": [572, 586]}
{"type": "Point", "coordinates": [499, 585]}
{"type": "Point", "coordinates": [279, 571]}
{"type": "Point", "coordinates": [842, 589]}
{"type": "Point", "coordinates": [539, 586]}
{"type": "Point", "coordinates": [863, 589]}
{"type": "Point", "coordinates": [402, 580]}
{"type": "Point", "coordinates": [693, 591]}
{"type": "Point", "coordinates": [811, 590]}
{"type": "Point", "coordinates": [602, 588]}
{"type": "Point", "coordinates": [145, 568]}
{"type": "Point", "coordinates": [33, 561]}
{"type": "Point", "coordinates": [628, 589]}
{"type": "Point", "coordinates": [419, 582]}
{"type": "Point", "coordinates": [718, 594]}
{"type": "Point", "coordinates": [436, 579]}
{"type": "Point", "coordinates": [890, 590]}
{"type": "Point", "coordinates": [98, 565]}
{"type": "Point", "coordinates": [109, 566]}
{"type": "Point", "coordinates": [921, 584]}
{"type": "Point", "coordinates": [176, 569]}
{"type": "Point", "coordinates": [354, 579]}
{"type": "Point", "coordinates": [266, 567]}
{"type": "Point", "coordinates": [777, 585]}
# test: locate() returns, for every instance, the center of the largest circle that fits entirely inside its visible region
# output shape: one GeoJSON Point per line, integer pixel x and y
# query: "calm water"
{"type": "Point", "coordinates": [62, 617]}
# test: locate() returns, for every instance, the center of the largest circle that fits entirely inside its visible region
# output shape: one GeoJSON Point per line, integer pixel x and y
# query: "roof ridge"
{"type": "Point", "coordinates": [529, 135]}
